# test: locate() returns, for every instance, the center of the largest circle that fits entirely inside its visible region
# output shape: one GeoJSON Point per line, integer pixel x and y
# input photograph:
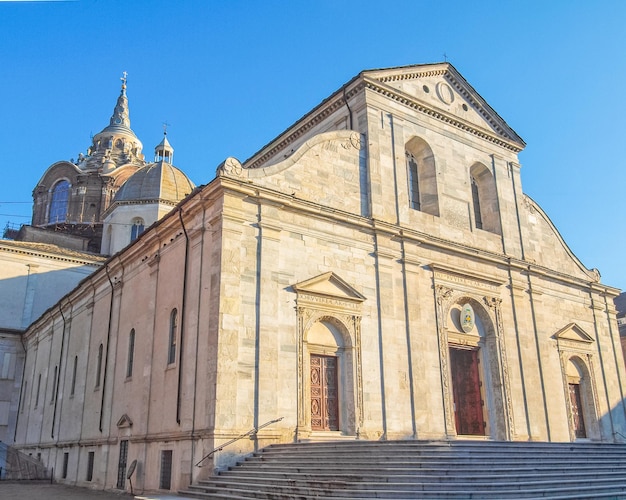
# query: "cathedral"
{"type": "Point", "coordinates": [375, 272]}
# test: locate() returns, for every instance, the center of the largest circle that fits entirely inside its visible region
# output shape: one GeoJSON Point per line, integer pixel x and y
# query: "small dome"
{"type": "Point", "coordinates": [158, 182]}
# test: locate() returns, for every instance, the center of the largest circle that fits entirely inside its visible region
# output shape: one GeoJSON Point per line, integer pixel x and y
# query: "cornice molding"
{"type": "Point", "coordinates": [49, 256]}
{"type": "Point", "coordinates": [391, 93]}
{"type": "Point", "coordinates": [305, 124]}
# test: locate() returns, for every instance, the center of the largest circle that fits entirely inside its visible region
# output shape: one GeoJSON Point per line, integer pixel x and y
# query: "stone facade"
{"type": "Point", "coordinates": [376, 272]}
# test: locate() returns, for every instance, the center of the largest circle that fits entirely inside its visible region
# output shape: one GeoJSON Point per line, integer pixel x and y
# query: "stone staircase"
{"type": "Point", "coordinates": [424, 469]}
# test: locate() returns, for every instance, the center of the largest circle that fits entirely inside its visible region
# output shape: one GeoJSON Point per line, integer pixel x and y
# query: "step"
{"type": "Point", "coordinates": [305, 493]}
{"type": "Point", "coordinates": [413, 478]}
{"type": "Point", "coordinates": [434, 469]}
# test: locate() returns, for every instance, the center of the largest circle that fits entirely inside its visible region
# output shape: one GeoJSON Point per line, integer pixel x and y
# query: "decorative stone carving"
{"type": "Point", "coordinates": [232, 166]}
{"type": "Point", "coordinates": [353, 142]}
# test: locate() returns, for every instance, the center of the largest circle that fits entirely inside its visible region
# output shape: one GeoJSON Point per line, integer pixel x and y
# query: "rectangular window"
{"type": "Point", "coordinates": [414, 192]}
{"type": "Point", "coordinates": [74, 376]}
{"type": "Point", "coordinates": [5, 365]}
{"type": "Point", "coordinates": [90, 458]}
{"type": "Point", "coordinates": [54, 384]}
{"type": "Point", "coordinates": [99, 366]}
{"type": "Point", "coordinates": [38, 387]}
{"type": "Point", "coordinates": [66, 459]}
{"type": "Point", "coordinates": [131, 353]}
{"type": "Point", "coordinates": [171, 352]}
{"type": "Point", "coordinates": [478, 219]}
{"type": "Point", "coordinates": [24, 396]}
{"type": "Point", "coordinates": [166, 470]}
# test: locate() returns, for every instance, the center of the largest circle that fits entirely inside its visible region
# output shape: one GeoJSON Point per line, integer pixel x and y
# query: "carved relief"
{"type": "Point", "coordinates": [443, 294]}
{"type": "Point", "coordinates": [232, 166]}
{"type": "Point", "coordinates": [354, 141]}
{"type": "Point", "coordinates": [500, 371]}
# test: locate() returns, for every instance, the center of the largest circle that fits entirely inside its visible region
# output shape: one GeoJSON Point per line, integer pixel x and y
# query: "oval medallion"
{"type": "Point", "coordinates": [467, 318]}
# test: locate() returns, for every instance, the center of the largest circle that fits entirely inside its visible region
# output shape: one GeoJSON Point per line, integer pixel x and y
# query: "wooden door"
{"type": "Point", "coordinates": [468, 403]}
{"type": "Point", "coordinates": [324, 393]}
{"type": "Point", "coordinates": [577, 410]}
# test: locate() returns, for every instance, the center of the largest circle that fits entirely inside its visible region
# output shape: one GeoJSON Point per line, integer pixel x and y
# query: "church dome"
{"type": "Point", "coordinates": [158, 181]}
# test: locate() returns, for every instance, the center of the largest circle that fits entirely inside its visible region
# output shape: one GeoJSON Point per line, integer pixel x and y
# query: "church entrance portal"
{"type": "Point", "coordinates": [324, 393]}
{"type": "Point", "coordinates": [466, 388]}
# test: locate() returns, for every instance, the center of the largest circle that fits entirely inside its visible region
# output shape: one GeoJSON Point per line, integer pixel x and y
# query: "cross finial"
{"type": "Point", "coordinates": [165, 125]}
{"type": "Point", "coordinates": [445, 57]}
{"type": "Point", "coordinates": [124, 79]}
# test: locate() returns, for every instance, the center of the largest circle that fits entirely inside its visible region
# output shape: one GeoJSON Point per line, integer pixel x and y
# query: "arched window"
{"type": "Point", "coordinates": [484, 199]}
{"type": "Point", "coordinates": [422, 176]}
{"type": "Point", "coordinates": [59, 202]}
{"type": "Point", "coordinates": [171, 352]}
{"type": "Point", "coordinates": [131, 353]}
{"type": "Point", "coordinates": [136, 229]}
{"type": "Point", "coordinates": [99, 366]}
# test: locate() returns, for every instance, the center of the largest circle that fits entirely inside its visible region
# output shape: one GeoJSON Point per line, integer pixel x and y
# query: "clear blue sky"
{"type": "Point", "coordinates": [228, 76]}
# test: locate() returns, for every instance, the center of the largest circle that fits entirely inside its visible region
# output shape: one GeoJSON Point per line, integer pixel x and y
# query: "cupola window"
{"type": "Point", "coordinates": [136, 229]}
{"type": "Point", "coordinates": [59, 202]}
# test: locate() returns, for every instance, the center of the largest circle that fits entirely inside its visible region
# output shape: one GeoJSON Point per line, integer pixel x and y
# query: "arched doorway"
{"type": "Point", "coordinates": [330, 390]}
{"type": "Point", "coordinates": [473, 361]}
{"type": "Point", "coordinates": [466, 341]}
{"type": "Point", "coordinates": [576, 349]}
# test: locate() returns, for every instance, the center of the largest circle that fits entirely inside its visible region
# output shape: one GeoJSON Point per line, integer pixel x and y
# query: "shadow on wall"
{"type": "Point", "coordinates": [612, 424]}
{"type": "Point", "coordinates": [26, 291]}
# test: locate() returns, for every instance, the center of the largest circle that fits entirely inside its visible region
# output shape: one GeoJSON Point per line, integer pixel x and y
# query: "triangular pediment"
{"type": "Point", "coordinates": [329, 285]}
{"type": "Point", "coordinates": [440, 91]}
{"type": "Point", "coordinates": [573, 332]}
{"type": "Point", "coordinates": [124, 421]}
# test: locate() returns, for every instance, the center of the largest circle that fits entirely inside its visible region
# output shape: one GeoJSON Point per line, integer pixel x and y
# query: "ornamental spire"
{"type": "Point", "coordinates": [121, 115]}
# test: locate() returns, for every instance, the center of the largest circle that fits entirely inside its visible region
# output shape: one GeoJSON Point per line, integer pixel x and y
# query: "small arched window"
{"type": "Point", "coordinates": [422, 176]}
{"type": "Point", "coordinates": [137, 228]}
{"type": "Point", "coordinates": [484, 199]}
{"type": "Point", "coordinates": [59, 202]}
{"type": "Point", "coordinates": [171, 352]}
